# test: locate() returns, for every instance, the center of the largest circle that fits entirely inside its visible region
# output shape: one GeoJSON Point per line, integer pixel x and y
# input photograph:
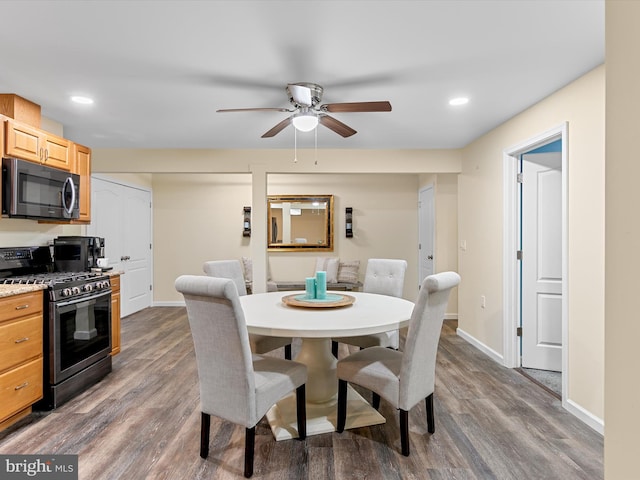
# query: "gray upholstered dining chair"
{"type": "Point", "coordinates": [403, 378]}
{"type": "Point", "coordinates": [384, 276]}
{"type": "Point", "coordinates": [233, 269]}
{"type": "Point", "coordinates": [235, 384]}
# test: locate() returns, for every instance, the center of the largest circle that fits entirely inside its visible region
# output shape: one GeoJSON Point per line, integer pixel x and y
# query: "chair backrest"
{"type": "Point", "coordinates": [385, 276]}
{"type": "Point", "coordinates": [418, 369]}
{"type": "Point", "coordinates": [227, 269]}
{"type": "Point", "coordinates": [223, 354]}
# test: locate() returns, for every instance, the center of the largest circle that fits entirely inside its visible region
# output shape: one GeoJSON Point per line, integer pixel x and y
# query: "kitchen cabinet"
{"type": "Point", "coordinates": [35, 145]}
{"type": "Point", "coordinates": [115, 314]}
{"type": "Point", "coordinates": [21, 358]}
{"type": "Point", "coordinates": [82, 166]}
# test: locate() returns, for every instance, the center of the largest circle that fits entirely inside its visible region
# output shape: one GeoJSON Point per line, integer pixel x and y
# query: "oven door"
{"type": "Point", "coordinates": [80, 334]}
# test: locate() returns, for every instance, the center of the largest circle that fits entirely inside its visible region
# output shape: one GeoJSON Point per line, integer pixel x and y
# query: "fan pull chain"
{"type": "Point", "coordinates": [315, 153]}
{"type": "Point", "coordinates": [295, 145]}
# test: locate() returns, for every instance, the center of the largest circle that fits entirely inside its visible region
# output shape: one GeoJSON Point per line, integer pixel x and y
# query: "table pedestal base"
{"type": "Point", "coordinates": [321, 417]}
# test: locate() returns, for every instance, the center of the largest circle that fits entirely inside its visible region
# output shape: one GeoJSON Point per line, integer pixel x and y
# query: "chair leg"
{"type": "Point", "coordinates": [342, 405]}
{"type": "Point", "coordinates": [334, 348]}
{"type": "Point", "coordinates": [301, 411]}
{"type": "Point", "coordinates": [375, 400]}
{"type": "Point", "coordinates": [431, 423]}
{"type": "Point", "coordinates": [205, 424]}
{"type": "Point", "coordinates": [249, 446]}
{"type": "Point", "coordinates": [287, 352]}
{"type": "Point", "coordinates": [404, 432]}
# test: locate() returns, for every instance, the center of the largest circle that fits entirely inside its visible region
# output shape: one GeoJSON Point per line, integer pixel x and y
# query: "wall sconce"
{"type": "Point", "coordinates": [246, 230]}
{"type": "Point", "coordinates": [349, 221]}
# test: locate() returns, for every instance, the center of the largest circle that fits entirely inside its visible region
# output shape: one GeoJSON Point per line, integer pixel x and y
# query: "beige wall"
{"type": "Point", "coordinates": [199, 217]}
{"type": "Point", "coordinates": [480, 222]}
{"type": "Point", "coordinates": [622, 389]}
{"type": "Point", "coordinates": [476, 192]}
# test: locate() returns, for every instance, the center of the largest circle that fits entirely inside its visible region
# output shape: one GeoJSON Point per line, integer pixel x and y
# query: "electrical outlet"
{"type": "Point", "coordinates": [483, 301]}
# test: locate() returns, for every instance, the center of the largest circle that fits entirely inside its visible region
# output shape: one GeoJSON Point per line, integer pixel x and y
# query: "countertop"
{"type": "Point", "coordinates": [17, 289]}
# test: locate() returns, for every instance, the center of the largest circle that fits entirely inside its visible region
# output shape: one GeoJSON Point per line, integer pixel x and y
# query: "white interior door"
{"type": "Point", "coordinates": [542, 261]}
{"type": "Point", "coordinates": [426, 229]}
{"type": "Point", "coordinates": [122, 215]}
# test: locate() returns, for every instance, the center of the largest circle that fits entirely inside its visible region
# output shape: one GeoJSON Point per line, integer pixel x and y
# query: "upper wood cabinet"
{"type": "Point", "coordinates": [82, 166]}
{"type": "Point", "coordinates": [28, 143]}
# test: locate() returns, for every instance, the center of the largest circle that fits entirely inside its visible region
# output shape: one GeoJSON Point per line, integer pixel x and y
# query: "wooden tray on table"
{"type": "Point", "coordinates": [333, 300]}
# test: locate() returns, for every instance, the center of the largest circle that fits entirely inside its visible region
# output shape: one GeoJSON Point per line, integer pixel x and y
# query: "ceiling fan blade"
{"type": "Point", "coordinates": [357, 107]}
{"type": "Point", "coordinates": [278, 128]}
{"type": "Point", "coordinates": [336, 125]}
{"type": "Point", "coordinates": [224, 110]}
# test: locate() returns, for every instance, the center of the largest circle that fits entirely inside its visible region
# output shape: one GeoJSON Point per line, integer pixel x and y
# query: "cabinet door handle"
{"type": "Point", "coordinates": [41, 154]}
{"type": "Point", "coordinates": [22, 307]}
{"type": "Point", "coordinates": [20, 387]}
{"type": "Point", "coordinates": [21, 340]}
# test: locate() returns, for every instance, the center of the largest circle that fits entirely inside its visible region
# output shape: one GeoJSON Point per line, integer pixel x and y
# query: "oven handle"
{"type": "Point", "coordinates": [88, 299]}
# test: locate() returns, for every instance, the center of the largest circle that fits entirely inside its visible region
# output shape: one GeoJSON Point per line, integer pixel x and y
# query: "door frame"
{"type": "Point", "coordinates": [421, 233]}
{"type": "Point", "coordinates": [510, 275]}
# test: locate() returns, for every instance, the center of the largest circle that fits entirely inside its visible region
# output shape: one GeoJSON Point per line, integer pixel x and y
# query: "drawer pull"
{"type": "Point", "coordinates": [20, 387]}
{"type": "Point", "coordinates": [22, 307]}
{"type": "Point", "coordinates": [20, 340]}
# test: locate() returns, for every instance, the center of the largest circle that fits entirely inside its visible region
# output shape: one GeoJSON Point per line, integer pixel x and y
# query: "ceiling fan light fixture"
{"type": "Point", "coordinates": [305, 122]}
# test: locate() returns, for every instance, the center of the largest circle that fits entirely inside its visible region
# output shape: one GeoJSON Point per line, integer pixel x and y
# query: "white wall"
{"type": "Point", "coordinates": [480, 221]}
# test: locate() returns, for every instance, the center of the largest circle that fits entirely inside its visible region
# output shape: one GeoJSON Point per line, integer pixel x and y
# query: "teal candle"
{"type": "Point", "coordinates": [310, 287]}
{"type": "Point", "coordinates": [321, 285]}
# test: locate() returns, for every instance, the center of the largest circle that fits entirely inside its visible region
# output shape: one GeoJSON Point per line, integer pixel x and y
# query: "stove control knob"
{"type": "Point", "coordinates": [75, 290]}
{"type": "Point", "coordinates": [66, 292]}
{"type": "Point", "coordinates": [88, 287]}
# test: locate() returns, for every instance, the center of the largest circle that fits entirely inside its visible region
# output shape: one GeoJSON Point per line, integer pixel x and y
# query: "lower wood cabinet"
{"type": "Point", "coordinates": [21, 362]}
{"type": "Point", "coordinates": [115, 314]}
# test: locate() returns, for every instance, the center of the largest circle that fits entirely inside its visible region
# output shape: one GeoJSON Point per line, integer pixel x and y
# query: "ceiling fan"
{"type": "Point", "coordinates": [307, 112]}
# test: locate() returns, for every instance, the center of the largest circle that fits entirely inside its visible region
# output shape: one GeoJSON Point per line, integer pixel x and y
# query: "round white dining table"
{"type": "Point", "coordinates": [266, 314]}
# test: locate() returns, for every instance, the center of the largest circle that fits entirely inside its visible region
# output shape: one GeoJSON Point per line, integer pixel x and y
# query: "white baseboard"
{"type": "Point", "coordinates": [176, 303]}
{"type": "Point", "coordinates": [576, 410]}
{"type": "Point", "coordinates": [450, 316]}
{"type": "Point", "coordinates": [587, 417]}
{"type": "Point", "coordinates": [491, 353]}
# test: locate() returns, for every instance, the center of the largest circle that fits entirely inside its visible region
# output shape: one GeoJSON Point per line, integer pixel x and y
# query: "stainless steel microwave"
{"type": "Point", "coordinates": [32, 190]}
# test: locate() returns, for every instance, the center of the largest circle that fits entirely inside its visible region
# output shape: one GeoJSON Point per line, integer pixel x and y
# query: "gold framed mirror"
{"type": "Point", "coordinates": [300, 222]}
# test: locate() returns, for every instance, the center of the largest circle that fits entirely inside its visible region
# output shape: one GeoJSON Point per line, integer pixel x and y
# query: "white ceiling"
{"type": "Point", "coordinates": [158, 70]}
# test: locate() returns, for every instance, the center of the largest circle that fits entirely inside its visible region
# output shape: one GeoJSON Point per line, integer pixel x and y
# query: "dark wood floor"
{"type": "Point", "coordinates": [142, 422]}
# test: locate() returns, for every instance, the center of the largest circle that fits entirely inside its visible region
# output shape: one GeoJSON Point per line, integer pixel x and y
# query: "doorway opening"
{"type": "Point", "coordinates": [534, 274]}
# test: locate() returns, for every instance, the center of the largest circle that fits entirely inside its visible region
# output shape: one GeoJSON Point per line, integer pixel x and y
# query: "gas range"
{"type": "Point", "coordinates": [32, 265]}
{"type": "Point", "coordinates": [76, 321]}
{"type": "Point", "coordinates": [64, 285]}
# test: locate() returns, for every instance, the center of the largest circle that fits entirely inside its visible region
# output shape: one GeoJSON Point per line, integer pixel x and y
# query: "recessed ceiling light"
{"type": "Point", "coordinates": [459, 101]}
{"type": "Point", "coordinates": [82, 100]}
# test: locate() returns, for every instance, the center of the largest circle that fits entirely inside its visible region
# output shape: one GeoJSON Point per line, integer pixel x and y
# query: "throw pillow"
{"type": "Point", "coordinates": [329, 265]}
{"type": "Point", "coordinates": [348, 271]}
{"type": "Point", "coordinates": [247, 264]}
